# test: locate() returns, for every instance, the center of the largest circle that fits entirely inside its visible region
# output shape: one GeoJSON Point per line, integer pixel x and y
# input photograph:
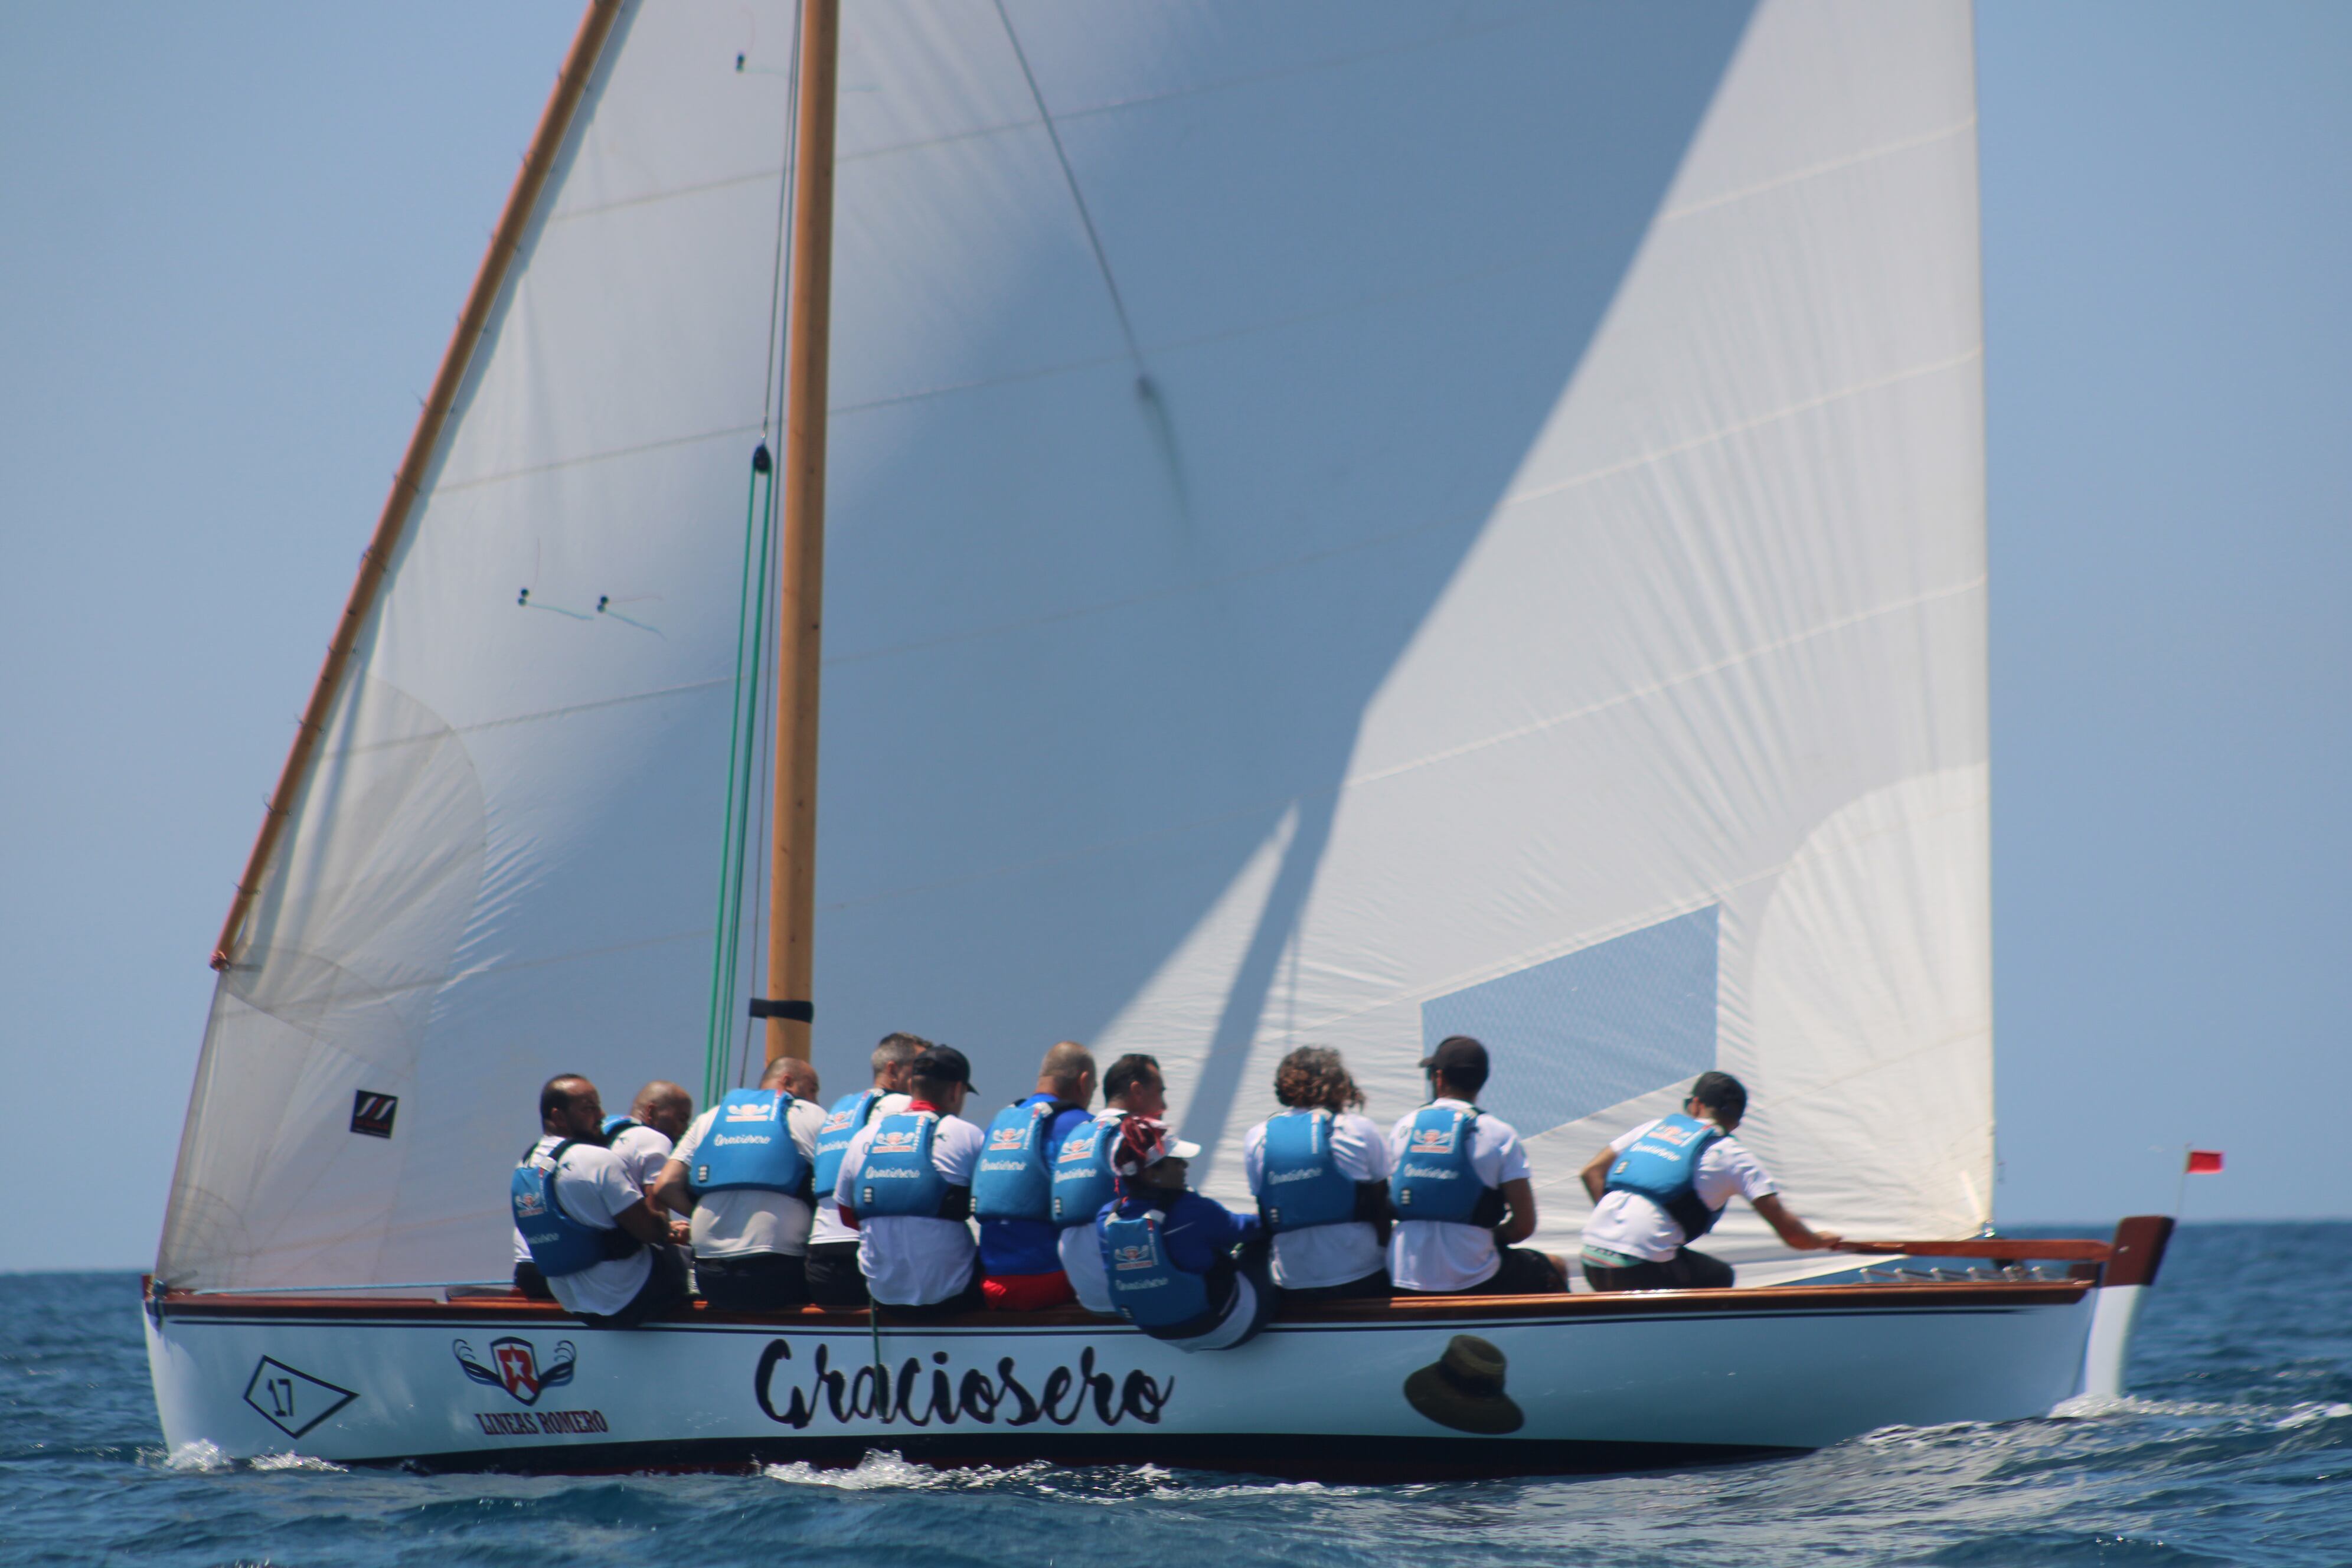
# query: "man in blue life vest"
{"type": "Point", "coordinates": [1319, 1173]}
{"type": "Point", "coordinates": [1085, 1174]}
{"type": "Point", "coordinates": [1665, 1183]}
{"type": "Point", "coordinates": [603, 1251]}
{"type": "Point", "coordinates": [1013, 1192]}
{"type": "Point", "coordinates": [834, 1279]}
{"type": "Point", "coordinates": [640, 1138]}
{"type": "Point", "coordinates": [906, 1188]}
{"type": "Point", "coordinates": [1169, 1252]}
{"type": "Point", "coordinates": [743, 1173]}
{"type": "Point", "coordinates": [1462, 1192]}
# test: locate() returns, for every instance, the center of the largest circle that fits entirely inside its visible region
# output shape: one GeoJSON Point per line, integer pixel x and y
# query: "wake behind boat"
{"type": "Point", "coordinates": [1336, 526]}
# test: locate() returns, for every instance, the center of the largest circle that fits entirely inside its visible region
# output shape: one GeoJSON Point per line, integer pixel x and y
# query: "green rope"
{"type": "Point", "coordinates": [750, 629]}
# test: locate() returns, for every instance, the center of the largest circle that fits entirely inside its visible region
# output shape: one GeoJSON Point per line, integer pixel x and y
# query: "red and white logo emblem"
{"type": "Point", "coordinates": [514, 1366]}
{"type": "Point", "coordinates": [894, 1143]}
{"type": "Point", "coordinates": [1432, 1141]}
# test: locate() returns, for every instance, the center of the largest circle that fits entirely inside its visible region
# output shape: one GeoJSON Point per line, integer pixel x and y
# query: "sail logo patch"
{"type": "Point", "coordinates": [514, 1366]}
{"type": "Point", "coordinates": [894, 1143]}
{"type": "Point", "coordinates": [1431, 1141]}
{"type": "Point", "coordinates": [767, 1112]}
{"type": "Point", "coordinates": [1011, 1138]}
{"type": "Point", "coordinates": [1079, 1149]}
{"type": "Point", "coordinates": [1137, 1256]}
{"type": "Point", "coordinates": [839, 1121]}
{"type": "Point", "coordinates": [372, 1113]}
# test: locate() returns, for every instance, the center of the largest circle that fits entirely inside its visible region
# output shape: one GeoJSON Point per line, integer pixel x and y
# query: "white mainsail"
{"type": "Point", "coordinates": [1349, 522]}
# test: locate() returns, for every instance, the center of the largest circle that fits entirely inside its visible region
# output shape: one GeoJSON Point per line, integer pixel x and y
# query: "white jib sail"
{"type": "Point", "coordinates": [1350, 523]}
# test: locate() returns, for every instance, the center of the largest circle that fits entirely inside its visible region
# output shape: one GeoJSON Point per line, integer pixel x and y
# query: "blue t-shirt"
{"type": "Point", "coordinates": [1197, 1230]}
{"type": "Point", "coordinates": [1031, 1245]}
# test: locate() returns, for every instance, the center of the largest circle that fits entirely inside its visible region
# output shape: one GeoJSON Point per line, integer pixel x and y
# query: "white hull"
{"type": "Point", "coordinates": [1599, 1383]}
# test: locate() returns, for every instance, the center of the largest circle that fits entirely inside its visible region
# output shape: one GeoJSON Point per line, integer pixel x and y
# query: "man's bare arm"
{"type": "Point", "coordinates": [1595, 1175]}
{"type": "Point", "coordinates": [1794, 1231]}
{"type": "Point", "coordinates": [670, 1190]}
{"type": "Point", "coordinates": [640, 1221]}
{"type": "Point", "coordinates": [1521, 1222]}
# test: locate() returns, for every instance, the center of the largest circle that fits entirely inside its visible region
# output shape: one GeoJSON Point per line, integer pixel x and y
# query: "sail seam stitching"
{"type": "Point", "coordinates": [1828, 166]}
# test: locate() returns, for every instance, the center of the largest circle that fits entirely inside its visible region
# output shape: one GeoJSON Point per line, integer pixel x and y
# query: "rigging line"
{"type": "Point", "coordinates": [783, 207]}
{"type": "Point", "coordinates": [1077, 198]}
{"type": "Point", "coordinates": [762, 783]}
{"type": "Point", "coordinates": [716, 1030]}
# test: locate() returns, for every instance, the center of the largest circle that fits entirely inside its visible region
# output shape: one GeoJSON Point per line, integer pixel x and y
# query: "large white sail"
{"type": "Point", "coordinates": [1350, 523]}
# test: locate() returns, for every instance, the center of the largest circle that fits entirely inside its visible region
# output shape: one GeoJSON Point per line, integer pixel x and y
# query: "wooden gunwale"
{"type": "Point", "coordinates": [407, 484]}
{"type": "Point", "coordinates": [1896, 1296]}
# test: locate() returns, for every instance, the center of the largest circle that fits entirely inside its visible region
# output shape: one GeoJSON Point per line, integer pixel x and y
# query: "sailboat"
{"type": "Point", "coordinates": [1343, 523]}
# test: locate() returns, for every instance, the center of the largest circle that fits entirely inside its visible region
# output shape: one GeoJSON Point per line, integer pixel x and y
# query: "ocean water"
{"type": "Point", "coordinates": [2235, 1447]}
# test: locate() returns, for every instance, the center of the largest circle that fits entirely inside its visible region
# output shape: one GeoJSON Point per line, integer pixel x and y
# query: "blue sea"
{"type": "Point", "coordinates": [2234, 1446]}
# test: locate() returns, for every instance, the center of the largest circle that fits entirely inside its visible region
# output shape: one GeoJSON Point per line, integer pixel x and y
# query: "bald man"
{"type": "Point", "coordinates": [1011, 1191]}
{"type": "Point", "coordinates": [745, 1185]}
{"type": "Point", "coordinates": [642, 1139]}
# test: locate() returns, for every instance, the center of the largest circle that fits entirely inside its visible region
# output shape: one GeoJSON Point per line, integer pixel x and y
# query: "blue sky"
{"type": "Point", "coordinates": [235, 238]}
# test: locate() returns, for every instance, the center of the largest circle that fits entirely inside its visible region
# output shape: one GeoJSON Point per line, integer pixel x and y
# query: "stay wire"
{"type": "Point", "coordinates": [730, 858]}
{"type": "Point", "coordinates": [768, 380]}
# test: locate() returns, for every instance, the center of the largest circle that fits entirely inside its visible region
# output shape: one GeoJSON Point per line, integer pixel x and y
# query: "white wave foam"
{"type": "Point", "coordinates": [293, 1461]}
{"type": "Point", "coordinates": [200, 1458]}
{"type": "Point", "coordinates": [880, 1470]}
{"type": "Point", "coordinates": [2304, 1414]}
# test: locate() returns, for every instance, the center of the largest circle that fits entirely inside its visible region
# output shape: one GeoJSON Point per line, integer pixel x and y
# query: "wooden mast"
{"type": "Point", "coordinates": [791, 885]}
{"type": "Point", "coordinates": [506, 241]}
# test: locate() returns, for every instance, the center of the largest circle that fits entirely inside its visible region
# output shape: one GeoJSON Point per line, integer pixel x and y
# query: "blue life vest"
{"type": "Point", "coordinates": [1013, 1181]}
{"type": "Point", "coordinates": [749, 1144]}
{"type": "Point", "coordinates": [1083, 1178]}
{"type": "Point", "coordinates": [559, 1243]}
{"type": "Point", "coordinates": [1301, 1185]}
{"type": "Point", "coordinates": [832, 1140]}
{"type": "Point", "coordinates": [1434, 1180]}
{"type": "Point", "coordinates": [1146, 1286]}
{"type": "Point", "coordinates": [898, 1177]}
{"type": "Point", "coordinates": [617, 1124]}
{"type": "Point", "coordinates": [1662, 1165]}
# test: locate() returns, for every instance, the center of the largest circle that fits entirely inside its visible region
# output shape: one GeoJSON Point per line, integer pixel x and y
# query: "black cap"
{"type": "Point", "coordinates": [1459, 1057]}
{"type": "Point", "coordinates": [941, 1064]}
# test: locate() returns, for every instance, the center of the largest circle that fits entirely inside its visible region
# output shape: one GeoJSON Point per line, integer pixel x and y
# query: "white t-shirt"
{"type": "Point", "coordinates": [746, 1220]}
{"type": "Point", "coordinates": [1326, 1254]}
{"type": "Point", "coordinates": [642, 1152]}
{"type": "Point", "coordinates": [828, 1226]}
{"type": "Point", "coordinates": [1433, 1255]}
{"type": "Point", "coordinates": [913, 1260]}
{"type": "Point", "coordinates": [1630, 1223]}
{"type": "Point", "coordinates": [1081, 1252]}
{"type": "Point", "coordinates": [594, 1188]}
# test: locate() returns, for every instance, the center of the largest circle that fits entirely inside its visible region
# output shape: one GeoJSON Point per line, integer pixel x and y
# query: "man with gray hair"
{"type": "Point", "coordinates": [834, 1279]}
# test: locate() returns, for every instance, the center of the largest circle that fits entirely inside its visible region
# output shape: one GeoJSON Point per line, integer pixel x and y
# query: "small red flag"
{"type": "Point", "coordinates": [2204, 1162]}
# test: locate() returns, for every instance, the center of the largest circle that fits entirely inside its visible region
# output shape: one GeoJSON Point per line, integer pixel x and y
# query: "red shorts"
{"type": "Point", "coordinates": [1026, 1292]}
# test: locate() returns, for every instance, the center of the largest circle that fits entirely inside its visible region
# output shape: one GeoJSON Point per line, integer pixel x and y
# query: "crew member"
{"type": "Point", "coordinates": [1319, 1173]}
{"type": "Point", "coordinates": [1085, 1177]}
{"type": "Point", "coordinates": [742, 1171]}
{"type": "Point", "coordinates": [1169, 1252]}
{"type": "Point", "coordinates": [1012, 1193]}
{"type": "Point", "coordinates": [905, 1189]}
{"type": "Point", "coordinates": [643, 1135]}
{"type": "Point", "coordinates": [832, 1276]}
{"type": "Point", "coordinates": [603, 1250]}
{"type": "Point", "coordinates": [1461, 1190]}
{"type": "Point", "coordinates": [1665, 1183]}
